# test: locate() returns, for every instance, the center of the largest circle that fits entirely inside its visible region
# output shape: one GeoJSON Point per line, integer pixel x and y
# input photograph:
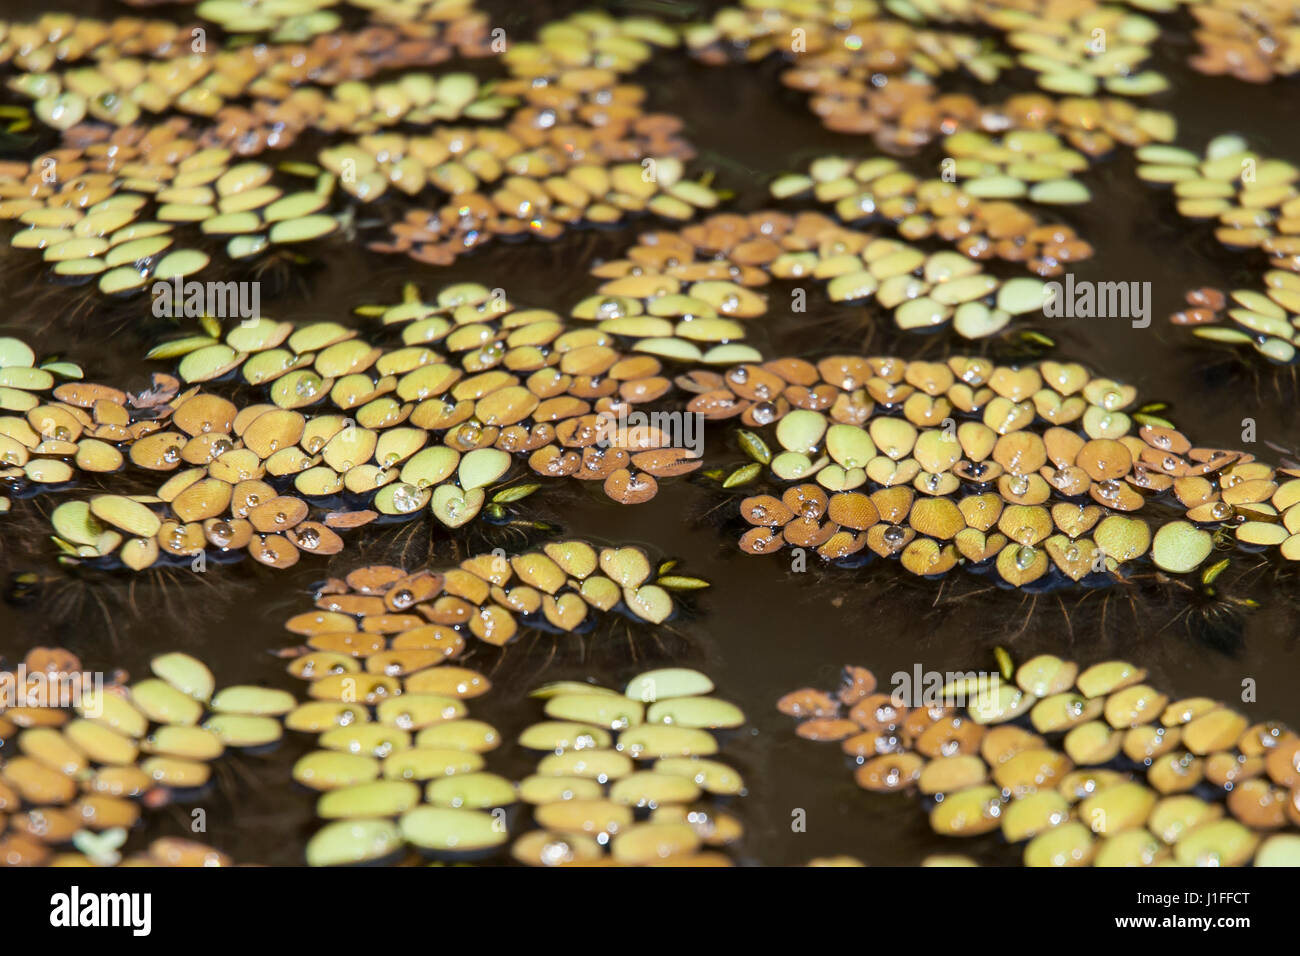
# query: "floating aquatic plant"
{"type": "Point", "coordinates": [139, 66]}
{"type": "Point", "coordinates": [727, 257]}
{"type": "Point", "coordinates": [401, 763]}
{"type": "Point", "coordinates": [1252, 42]}
{"type": "Point", "coordinates": [1253, 198]}
{"type": "Point", "coordinates": [564, 586]}
{"type": "Point", "coordinates": [106, 205]}
{"type": "Point", "coordinates": [153, 160]}
{"type": "Point", "coordinates": [631, 778]}
{"type": "Point", "coordinates": [628, 778]}
{"type": "Point", "coordinates": [24, 452]}
{"type": "Point", "coordinates": [1030, 468]}
{"type": "Point", "coordinates": [1088, 766]}
{"type": "Point", "coordinates": [578, 149]}
{"type": "Point", "coordinates": [120, 228]}
{"type": "Point", "coordinates": [435, 422]}
{"type": "Point", "coordinates": [970, 214]}
{"type": "Point", "coordinates": [867, 72]}
{"type": "Point", "coordinates": [1266, 321]}
{"type": "Point", "coordinates": [948, 463]}
{"type": "Point", "coordinates": [88, 755]}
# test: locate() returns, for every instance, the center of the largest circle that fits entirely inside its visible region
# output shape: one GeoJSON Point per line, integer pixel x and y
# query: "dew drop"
{"type": "Point", "coordinates": [406, 498]}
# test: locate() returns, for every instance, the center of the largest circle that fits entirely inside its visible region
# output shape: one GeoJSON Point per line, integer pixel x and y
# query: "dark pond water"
{"type": "Point", "coordinates": [761, 630]}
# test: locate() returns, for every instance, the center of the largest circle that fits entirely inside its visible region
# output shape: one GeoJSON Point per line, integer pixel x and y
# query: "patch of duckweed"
{"type": "Point", "coordinates": [403, 767]}
{"type": "Point", "coordinates": [1028, 469]}
{"type": "Point", "coordinates": [272, 439]}
{"type": "Point", "coordinates": [400, 764]}
{"type": "Point", "coordinates": [977, 215]}
{"type": "Point", "coordinates": [1086, 766]}
{"type": "Point", "coordinates": [563, 141]}
{"type": "Point", "coordinates": [86, 757]}
{"type": "Point", "coordinates": [351, 431]}
{"type": "Point", "coordinates": [1248, 41]}
{"type": "Point", "coordinates": [38, 456]}
{"type": "Point", "coordinates": [579, 148]}
{"type": "Point", "coordinates": [563, 586]}
{"type": "Point", "coordinates": [873, 68]}
{"type": "Point", "coordinates": [1268, 322]}
{"type": "Point", "coordinates": [1252, 198]}
{"type": "Point", "coordinates": [1038, 472]}
{"type": "Point", "coordinates": [631, 778]}
{"type": "Point", "coordinates": [703, 283]}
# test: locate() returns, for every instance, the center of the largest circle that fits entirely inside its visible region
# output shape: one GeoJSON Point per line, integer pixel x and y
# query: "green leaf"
{"type": "Point", "coordinates": [534, 525]}
{"type": "Point", "coordinates": [666, 567]}
{"type": "Point", "coordinates": [1142, 419]}
{"type": "Point", "coordinates": [676, 582]}
{"type": "Point", "coordinates": [210, 325]}
{"type": "Point", "coordinates": [179, 347]}
{"type": "Point", "coordinates": [64, 369]}
{"type": "Point", "coordinates": [1038, 338]}
{"type": "Point", "coordinates": [1005, 664]}
{"type": "Point", "coordinates": [65, 547]}
{"type": "Point", "coordinates": [743, 475]}
{"type": "Point", "coordinates": [1213, 571]}
{"type": "Point", "coordinates": [754, 446]}
{"type": "Point", "coordinates": [299, 169]}
{"type": "Point", "coordinates": [371, 311]}
{"type": "Point", "coordinates": [1231, 336]}
{"type": "Point", "coordinates": [507, 495]}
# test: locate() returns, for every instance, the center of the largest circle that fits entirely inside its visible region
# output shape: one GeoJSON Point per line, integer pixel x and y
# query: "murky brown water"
{"type": "Point", "coordinates": [761, 630]}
